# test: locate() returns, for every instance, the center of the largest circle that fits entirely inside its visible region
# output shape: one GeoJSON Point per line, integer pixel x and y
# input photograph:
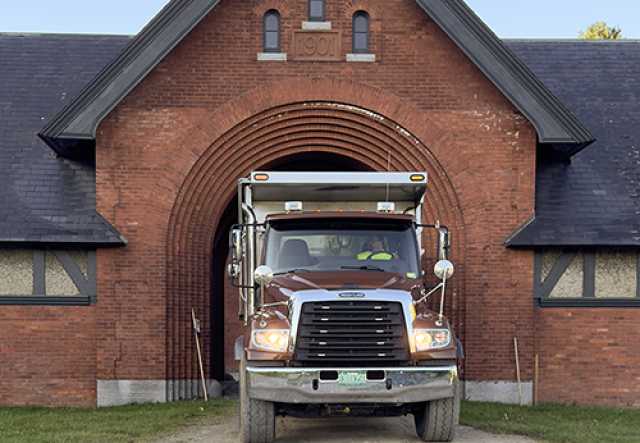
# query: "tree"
{"type": "Point", "coordinates": [601, 31]}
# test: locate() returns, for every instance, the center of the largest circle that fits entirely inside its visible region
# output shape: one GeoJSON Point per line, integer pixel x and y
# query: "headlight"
{"type": "Point", "coordinates": [273, 340]}
{"type": "Point", "coordinates": [430, 339]}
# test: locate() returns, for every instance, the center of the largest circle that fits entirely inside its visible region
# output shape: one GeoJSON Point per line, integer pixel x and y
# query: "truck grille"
{"type": "Point", "coordinates": [352, 333]}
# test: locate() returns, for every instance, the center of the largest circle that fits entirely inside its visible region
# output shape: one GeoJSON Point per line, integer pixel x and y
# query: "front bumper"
{"type": "Point", "coordinates": [305, 385]}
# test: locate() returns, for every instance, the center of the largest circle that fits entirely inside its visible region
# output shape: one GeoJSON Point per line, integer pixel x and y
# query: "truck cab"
{"type": "Point", "coordinates": [328, 268]}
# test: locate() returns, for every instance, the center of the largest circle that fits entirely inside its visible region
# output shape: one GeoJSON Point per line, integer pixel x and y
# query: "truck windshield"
{"type": "Point", "coordinates": [385, 247]}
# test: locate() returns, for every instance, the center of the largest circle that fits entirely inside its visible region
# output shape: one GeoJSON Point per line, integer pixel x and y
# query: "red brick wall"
{"type": "Point", "coordinates": [165, 172]}
{"type": "Point", "coordinates": [589, 356]}
{"type": "Point", "coordinates": [167, 159]}
{"type": "Point", "coordinates": [47, 356]}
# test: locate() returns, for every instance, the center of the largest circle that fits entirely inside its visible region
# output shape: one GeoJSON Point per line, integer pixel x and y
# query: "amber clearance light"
{"type": "Point", "coordinates": [417, 178]}
{"type": "Point", "coordinates": [261, 177]}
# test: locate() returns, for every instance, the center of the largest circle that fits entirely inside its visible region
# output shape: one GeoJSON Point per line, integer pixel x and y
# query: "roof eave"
{"type": "Point", "coordinates": [555, 124]}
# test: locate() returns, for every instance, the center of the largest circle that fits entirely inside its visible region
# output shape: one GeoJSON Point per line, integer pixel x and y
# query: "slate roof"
{"type": "Point", "coordinates": [594, 200]}
{"type": "Point", "coordinates": [43, 198]}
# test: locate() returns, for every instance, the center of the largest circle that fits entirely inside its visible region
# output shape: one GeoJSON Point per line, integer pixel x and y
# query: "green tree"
{"type": "Point", "coordinates": [601, 31]}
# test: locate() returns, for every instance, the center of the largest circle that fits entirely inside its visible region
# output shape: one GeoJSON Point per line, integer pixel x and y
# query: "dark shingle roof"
{"type": "Point", "coordinates": [595, 199]}
{"type": "Point", "coordinates": [43, 198]}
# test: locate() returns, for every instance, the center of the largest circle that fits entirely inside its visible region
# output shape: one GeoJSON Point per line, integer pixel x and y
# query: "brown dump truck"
{"type": "Point", "coordinates": [334, 301]}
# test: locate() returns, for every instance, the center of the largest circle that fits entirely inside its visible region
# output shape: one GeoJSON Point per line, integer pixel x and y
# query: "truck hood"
{"type": "Point", "coordinates": [287, 283]}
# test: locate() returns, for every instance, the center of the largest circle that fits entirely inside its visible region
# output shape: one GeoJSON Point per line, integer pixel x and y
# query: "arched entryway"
{"type": "Point", "coordinates": [296, 136]}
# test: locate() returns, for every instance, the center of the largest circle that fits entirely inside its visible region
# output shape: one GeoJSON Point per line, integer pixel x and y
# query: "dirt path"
{"type": "Point", "coordinates": [337, 430]}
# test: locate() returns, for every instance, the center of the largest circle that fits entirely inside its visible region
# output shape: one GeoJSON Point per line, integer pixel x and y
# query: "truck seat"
{"type": "Point", "coordinates": [295, 254]}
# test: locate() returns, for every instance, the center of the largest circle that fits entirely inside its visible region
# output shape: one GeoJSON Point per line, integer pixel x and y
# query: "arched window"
{"type": "Point", "coordinates": [272, 31]}
{"type": "Point", "coordinates": [360, 32]}
{"type": "Point", "coordinates": [316, 10]}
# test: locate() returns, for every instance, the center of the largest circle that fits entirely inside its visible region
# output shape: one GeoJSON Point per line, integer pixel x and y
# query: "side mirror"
{"type": "Point", "coordinates": [444, 243]}
{"type": "Point", "coordinates": [235, 243]}
{"type": "Point", "coordinates": [263, 275]}
{"type": "Point", "coordinates": [443, 269]}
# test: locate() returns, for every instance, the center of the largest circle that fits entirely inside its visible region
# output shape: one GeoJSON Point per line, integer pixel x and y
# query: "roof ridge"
{"type": "Point", "coordinates": [59, 34]}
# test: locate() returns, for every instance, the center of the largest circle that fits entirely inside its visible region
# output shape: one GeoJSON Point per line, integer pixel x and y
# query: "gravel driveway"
{"type": "Point", "coordinates": [335, 430]}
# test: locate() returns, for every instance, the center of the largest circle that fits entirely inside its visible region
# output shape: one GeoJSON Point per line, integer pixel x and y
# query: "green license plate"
{"type": "Point", "coordinates": [352, 378]}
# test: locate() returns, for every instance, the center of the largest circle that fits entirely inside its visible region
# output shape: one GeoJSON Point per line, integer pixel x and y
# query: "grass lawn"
{"type": "Point", "coordinates": [553, 423]}
{"type": "Point", "coordinates": [550, 423]}
{"type": "Point", "coordinates": [119, 424]}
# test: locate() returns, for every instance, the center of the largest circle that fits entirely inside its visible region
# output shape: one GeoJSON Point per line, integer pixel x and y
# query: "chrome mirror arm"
{"type": "Point", "coordinates": [427, 295]}
{"type": "Point", "coordinates": [444, 289]}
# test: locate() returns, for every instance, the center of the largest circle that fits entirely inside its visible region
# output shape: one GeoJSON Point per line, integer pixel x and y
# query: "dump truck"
{"type": "Point", "coordinates": [337, 309]}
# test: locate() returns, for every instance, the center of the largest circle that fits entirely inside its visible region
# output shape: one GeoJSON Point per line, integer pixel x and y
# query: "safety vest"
{"type": "Point", "coordinates": [380, 256]}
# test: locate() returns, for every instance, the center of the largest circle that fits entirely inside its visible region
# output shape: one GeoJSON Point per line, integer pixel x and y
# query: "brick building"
{"type": "Point", "coordinates": [119, 158]}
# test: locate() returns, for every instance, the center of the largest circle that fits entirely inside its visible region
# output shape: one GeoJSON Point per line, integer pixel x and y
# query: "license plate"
{"type": "Point", "coordinates": [352, 378]}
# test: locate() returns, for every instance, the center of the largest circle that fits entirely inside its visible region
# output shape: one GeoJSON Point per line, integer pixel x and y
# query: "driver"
{"type": "Point", "coordinates": [375, 251]}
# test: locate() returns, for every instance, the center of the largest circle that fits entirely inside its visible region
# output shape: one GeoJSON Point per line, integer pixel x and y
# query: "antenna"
{"type": "Point", "coordinates": [388, 170]}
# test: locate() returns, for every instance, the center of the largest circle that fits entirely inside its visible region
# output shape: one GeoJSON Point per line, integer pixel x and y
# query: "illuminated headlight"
{"type": "Point", "coordinates": [273, 340]}
{"type": "Point", "coordinates": [430, 339]}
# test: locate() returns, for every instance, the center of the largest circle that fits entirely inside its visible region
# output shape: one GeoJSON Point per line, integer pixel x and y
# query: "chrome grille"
{"type": "Point", "coordinates": [352, 332]}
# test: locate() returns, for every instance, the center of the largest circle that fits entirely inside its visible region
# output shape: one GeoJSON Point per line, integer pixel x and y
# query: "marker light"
{"type": "Point", "coordinates": [386, 206]}
{"type": "Point", "coordinates": [293, 206]}
{"type": "Point", "coordinates": [418, 178]}
{"type": "Point", "coordinates": [261, 177]}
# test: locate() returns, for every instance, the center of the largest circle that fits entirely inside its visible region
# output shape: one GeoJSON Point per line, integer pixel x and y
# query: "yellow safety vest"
{"type": "Point", "coordinates": [380, 256]}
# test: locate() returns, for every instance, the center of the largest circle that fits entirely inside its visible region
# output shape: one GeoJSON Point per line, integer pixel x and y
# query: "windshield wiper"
{"type": "Point", "coordinates": [292, 271]}
{"type": "Point", "coordinates": [364, 268]}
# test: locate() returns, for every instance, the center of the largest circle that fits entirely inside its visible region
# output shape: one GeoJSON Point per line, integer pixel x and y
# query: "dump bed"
{"type": "Point", "coordinates": [338, 186]}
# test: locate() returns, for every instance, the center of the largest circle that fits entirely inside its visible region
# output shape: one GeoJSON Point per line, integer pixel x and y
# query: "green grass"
{"type": "Point", "coordinates": [120, 424]}
{"type": "Point", "coordinates": [554, 423]}
{"type": "Point", "coordinates": [550, 423]}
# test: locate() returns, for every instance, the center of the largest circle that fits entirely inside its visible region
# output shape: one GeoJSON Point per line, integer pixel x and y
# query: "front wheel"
{"type": "Point", "coordinates": [257, 417]}
{"type": "Point", "coordinates": [437, 420]}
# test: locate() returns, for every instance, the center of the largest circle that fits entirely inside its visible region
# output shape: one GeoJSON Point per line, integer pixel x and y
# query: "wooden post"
{"type": "Point", "coordinates": [196, 333]}
{"type": "Point", "coordinates": [515, 347]}
{"type": "Point", "coordinates": [536, 379]}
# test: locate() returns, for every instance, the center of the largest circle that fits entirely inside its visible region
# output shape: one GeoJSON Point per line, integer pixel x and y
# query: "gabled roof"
{"type": "Point", "coordinates": [45, 199]}
{"type": "Point", "coordinates": [594, 200]}
{"type": "Point", "coordinates": [72, 132]}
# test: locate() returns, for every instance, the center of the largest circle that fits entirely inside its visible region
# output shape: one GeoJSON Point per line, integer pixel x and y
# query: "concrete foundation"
{"type": "Point", "coordinates": [498, 392]}
{"type": "Point", "coordinates": [123, 392]}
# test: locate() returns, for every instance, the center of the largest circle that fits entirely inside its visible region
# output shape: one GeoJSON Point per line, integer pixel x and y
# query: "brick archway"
{"type": "Point", "coordinates": [338, 127]}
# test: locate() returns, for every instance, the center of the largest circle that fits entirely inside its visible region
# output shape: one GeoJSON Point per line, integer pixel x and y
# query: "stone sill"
{"type": "Point", "coordinates": [361, 58]}
{"type": "Point", "coordinates": [316, 26]}
{"type": "Point", "coordinates": [272, 56]}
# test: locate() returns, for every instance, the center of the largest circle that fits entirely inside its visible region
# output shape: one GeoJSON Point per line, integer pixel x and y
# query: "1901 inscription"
{"type": "Point", "coordinates": [320, 46]}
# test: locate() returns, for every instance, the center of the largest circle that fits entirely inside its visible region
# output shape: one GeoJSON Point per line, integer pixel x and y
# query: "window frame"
{"type": "Point", "coordinates": [87, 286]}
{"type": "Point", "coordinates": [354, 33]}
{"type": "Point", "coordinates": [543, 288]}
{"type": "Point", "coordinates": [321, 18]}
{"type": "Point", "coordinates": [266, 31]}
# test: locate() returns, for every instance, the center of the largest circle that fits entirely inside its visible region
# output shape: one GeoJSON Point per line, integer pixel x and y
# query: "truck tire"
{"type": "Point", "coordinates": [437, 420]}
{"type": "Point", "coordinates": [257, 417]}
